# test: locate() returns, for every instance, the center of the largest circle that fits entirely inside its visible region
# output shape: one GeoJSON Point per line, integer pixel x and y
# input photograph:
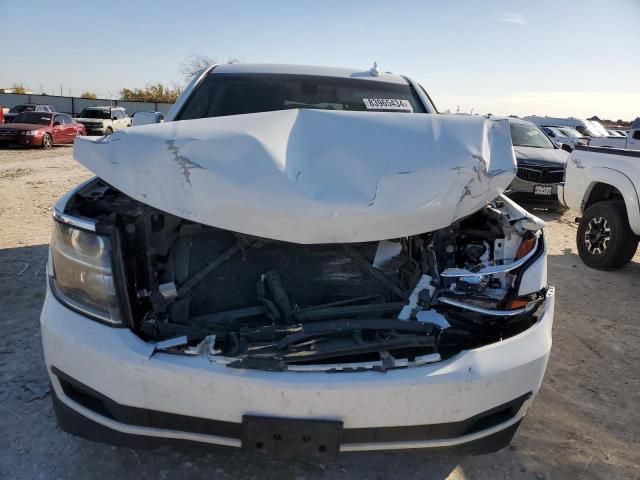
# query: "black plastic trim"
{"type": "Point", "coordinates": [75, 423]}
{"type": "Point", "coordinates": [99, 403]}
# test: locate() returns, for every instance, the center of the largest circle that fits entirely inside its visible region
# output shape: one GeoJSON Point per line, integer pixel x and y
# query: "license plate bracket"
{"type": "Point", "coordinates": [544, 190]}
{"type": "Point", "coordinates": [292, 439]}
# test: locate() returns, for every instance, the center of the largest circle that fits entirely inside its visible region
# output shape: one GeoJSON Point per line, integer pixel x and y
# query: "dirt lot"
{"type": "Point", "coordinates": [585, 423]}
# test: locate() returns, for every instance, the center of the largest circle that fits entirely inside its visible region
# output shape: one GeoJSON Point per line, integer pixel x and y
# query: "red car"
{"type": "Point", "coordinates": [40, 129]}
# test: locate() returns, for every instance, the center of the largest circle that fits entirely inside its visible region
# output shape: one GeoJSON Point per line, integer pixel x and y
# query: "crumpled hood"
{"type": "Point", "coordinates": [547, 157]}
{"type": "Point", "coordinates": [311, 176]}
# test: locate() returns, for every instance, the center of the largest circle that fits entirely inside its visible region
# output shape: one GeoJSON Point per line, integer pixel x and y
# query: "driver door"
{"type": "Point", "coordinates": [58, 130]}
{"type": "Point", "coordinates": [70, 131]}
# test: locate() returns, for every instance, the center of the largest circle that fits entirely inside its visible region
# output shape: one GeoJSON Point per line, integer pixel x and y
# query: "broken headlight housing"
{"type": "Point", "coordinates": [81, 273]}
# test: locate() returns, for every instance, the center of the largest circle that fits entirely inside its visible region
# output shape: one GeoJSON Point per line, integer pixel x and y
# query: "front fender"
{"type": "Point", "coordinates": [584, 180]}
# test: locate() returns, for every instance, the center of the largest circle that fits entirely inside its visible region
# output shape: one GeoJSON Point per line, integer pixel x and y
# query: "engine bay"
{"type": "Point", "coordinates": [252, 302]}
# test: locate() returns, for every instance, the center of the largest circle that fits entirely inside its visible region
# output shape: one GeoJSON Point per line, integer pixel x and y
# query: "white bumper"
{"type": "Point", "coordinates": [119, 365]}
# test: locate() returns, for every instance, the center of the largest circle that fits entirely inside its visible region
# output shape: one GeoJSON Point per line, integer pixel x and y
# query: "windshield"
{"type": "Point", "coordinates": [528, 135]}
{"type": "Point", "coordinates": [22, 108]}
{"type": "Point", "coordinates": [37, 118]}
{"type": "Point", "coordinates": [94, 113]}
{"type": "Point", "coordinates": [233, 94]}
{"type": "Point", "coordinates": [556, 131]}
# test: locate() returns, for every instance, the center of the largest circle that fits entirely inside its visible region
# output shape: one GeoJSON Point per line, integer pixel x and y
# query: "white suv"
{"type": "Point", "coordinates": [309, 261]}
{"type": "Point", "coordinates": [103, 120]}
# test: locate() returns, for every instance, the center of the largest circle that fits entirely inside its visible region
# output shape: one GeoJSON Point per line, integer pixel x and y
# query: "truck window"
{"type": "Point", "coordinates": [636, 135]}
{"type": "Point", "coordinates": [233, 94]}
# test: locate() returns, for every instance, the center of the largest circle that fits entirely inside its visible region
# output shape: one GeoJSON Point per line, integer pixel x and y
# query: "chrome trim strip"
{"type": "Point", "coordinates": [83, 223]}
{"type": "Point", "coordinates": [487, 311]}
{"type": "Point", "coordinates": [495, 269]}
{"type": "Point", "coordinates": [61, 204]}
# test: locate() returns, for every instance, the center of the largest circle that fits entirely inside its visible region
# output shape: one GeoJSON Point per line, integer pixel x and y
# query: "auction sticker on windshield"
{"type": "Point", "coordinates": [387, 104]}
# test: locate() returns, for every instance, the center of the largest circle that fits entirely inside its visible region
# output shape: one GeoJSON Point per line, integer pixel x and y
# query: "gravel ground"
{"type": "Point", "coordinates": [584, 424]}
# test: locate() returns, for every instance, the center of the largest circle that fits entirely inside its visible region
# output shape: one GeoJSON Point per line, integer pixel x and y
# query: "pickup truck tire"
{"type": "Point", "coordinates": [605, 239]}
{"type": "Point", "coordinates": [108, 131]}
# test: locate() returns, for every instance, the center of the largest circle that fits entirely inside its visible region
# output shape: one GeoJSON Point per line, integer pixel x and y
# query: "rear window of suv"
{"type": "Point", "coordinates": [94, 113]}
{"type": "Point", "coordinates": [233, 94]}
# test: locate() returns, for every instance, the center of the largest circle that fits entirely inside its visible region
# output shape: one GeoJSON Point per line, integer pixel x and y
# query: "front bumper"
{"type": "Point", "coordinates": [27, 140]}
{"type": "Point", "coordinates": [110, 379]}
{"type": "Point", "coordinates": [524, 190]}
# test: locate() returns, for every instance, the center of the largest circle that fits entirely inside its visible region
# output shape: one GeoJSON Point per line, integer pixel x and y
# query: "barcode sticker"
{"type": "Point", "coordinates": [387, 104]}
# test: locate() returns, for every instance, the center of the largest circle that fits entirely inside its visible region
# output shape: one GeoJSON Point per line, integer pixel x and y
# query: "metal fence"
{"type": "Point", "coordinates": [74, 105]}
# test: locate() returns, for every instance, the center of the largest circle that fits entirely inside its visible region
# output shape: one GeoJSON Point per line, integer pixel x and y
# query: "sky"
{"type": "Point", "coordinates": [542, 57]}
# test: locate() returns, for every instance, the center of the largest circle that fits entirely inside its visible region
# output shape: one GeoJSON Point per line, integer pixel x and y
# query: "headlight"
{"type": "Point", "coordinates": [82, 275]}
{"type": "Point", "coordinates": [30, 133]}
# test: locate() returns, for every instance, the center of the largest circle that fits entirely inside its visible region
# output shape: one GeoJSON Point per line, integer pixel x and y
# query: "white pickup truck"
{"type": "Point", "coordinates": [630, 142]}
{"type": "Point", "coordinates": [602, 184]}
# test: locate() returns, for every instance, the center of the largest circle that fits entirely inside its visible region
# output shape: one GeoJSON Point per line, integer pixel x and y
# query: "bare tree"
{"type": "Point", "coordinates": [194, 63]}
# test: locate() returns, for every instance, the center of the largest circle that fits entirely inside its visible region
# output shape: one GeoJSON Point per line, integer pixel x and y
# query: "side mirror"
{"type": "Point", "coordinates": [566, 147]}
{"type": "Point", "coordinates": [114, 118]}
{"type": "Point", "coordinates": [56, 124]}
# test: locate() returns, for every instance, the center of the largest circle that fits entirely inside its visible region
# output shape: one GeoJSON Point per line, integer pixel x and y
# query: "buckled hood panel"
{"type": "Point", "coordinates": [311, 176]}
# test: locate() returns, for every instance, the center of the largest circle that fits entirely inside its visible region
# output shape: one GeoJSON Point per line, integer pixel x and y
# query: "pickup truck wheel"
{"type": "Point", "coordinates": [108, 131]}
{"type": "Point", "coordinates": [605, 239]}
{"type": "Point", "coordinates": [46, 141]}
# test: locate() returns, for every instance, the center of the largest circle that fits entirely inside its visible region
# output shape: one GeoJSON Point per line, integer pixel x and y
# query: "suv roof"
{"type": "Point", "coordinates": [308, 70]}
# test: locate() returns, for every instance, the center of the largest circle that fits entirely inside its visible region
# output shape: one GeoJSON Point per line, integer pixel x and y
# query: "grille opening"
{"type": "Point", "coordinates": [540, 174]}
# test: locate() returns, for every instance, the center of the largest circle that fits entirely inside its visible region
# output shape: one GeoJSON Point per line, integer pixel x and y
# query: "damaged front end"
{"type": "Point", "coordinates": [260, 303]}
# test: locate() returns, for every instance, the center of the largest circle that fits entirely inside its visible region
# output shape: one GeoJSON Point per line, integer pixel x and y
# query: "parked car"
{"type": "Point", "coordinates": [559, 137]}
{"type": "Point", "coordinates": [602, 132]}
{"type": "Point", "coordinates": [585, 127]}
{"type": "Point", "coordinates": [146, 118]}
{"type": "Point", "coordinates": [40, 129]}
{"type": "Point", "coordinates": [603, 184]}
{"type": "Point", "coordinates": [579, 139]}
{"type": "Point", "coordinates": [631, 141]}
{"type": "Point", "coordinates": [327, 267]}
{"type": "Point", "coordinates": [27, 107]}
{"type": "Point", "coordinates": [540, 165]}
{"type": "Point", "coordinates": [104, 120]}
